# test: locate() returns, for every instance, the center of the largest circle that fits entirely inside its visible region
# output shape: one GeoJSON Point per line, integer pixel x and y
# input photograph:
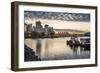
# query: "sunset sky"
{"type": "Point", "coordinates": [59, 20]}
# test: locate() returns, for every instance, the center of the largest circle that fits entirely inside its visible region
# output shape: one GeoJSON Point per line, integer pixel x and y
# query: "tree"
{"type": "Point", "coordinates": [42, 34]}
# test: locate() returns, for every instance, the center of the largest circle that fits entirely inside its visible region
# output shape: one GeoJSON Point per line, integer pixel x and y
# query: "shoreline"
{"type": "Point", "coordinates": [29, 54]}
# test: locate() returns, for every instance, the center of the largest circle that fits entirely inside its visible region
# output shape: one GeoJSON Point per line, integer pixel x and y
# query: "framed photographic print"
{"type": "Point", "coordinates": [52, 36]}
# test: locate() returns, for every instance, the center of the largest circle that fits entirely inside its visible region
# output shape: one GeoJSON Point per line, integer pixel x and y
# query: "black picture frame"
{"type": "Point", "coordinates": [15, 39]}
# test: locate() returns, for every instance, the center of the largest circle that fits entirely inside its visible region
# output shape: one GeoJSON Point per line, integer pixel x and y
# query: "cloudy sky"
{"type": "Point", "coordinates": [59, 20]}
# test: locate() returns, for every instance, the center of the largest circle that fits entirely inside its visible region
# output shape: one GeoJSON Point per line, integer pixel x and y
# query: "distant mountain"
{"type": "Point", "coordinates": [57, 16]}
{"type": "Point", "coordinates": [71, 30]}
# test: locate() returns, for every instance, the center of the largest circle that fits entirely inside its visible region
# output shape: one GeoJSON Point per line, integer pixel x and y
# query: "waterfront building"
{"type": "Point", "coordinates": [25, 27]}
{"type": "Point", "coordinates": [29, 28]}
{"type": "Point", "coordinates": [48, 29]}
{"type": "Point", "coordinates": [38, 28]}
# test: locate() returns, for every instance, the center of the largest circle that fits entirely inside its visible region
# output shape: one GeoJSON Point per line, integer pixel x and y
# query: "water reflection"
{"type": "Point", "coordinates": [57, 49]}
{"type": "Point", "coordinates": [38, 47]}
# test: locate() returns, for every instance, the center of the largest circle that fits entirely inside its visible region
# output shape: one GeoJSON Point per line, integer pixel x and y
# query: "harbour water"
{"type": "Point", "coordinates": [57, 49]}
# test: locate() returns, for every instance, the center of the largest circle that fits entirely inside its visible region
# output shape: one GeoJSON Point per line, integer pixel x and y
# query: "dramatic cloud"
{"type": "Point", "coordinates": [57, 16]}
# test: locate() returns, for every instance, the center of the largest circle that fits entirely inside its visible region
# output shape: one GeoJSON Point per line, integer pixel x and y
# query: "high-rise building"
{"type": "Point", "coordinates": [38, 24]}
{"type": "Point", "coordinates": [39, 28]}
{"type": "Point", "coordinates": [29, 28]}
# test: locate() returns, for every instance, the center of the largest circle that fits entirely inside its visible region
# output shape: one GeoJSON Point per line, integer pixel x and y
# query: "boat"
{"type": "Point", "coordinates": [85, 41]}
{"type": "Point", "coordinates": [79, 41]}
{"type": "Point", "coordinates": [73, 41]}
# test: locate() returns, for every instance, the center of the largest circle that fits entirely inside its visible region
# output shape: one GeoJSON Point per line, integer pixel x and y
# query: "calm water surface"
{"type": "Point", "coordinates": [56, 49]}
